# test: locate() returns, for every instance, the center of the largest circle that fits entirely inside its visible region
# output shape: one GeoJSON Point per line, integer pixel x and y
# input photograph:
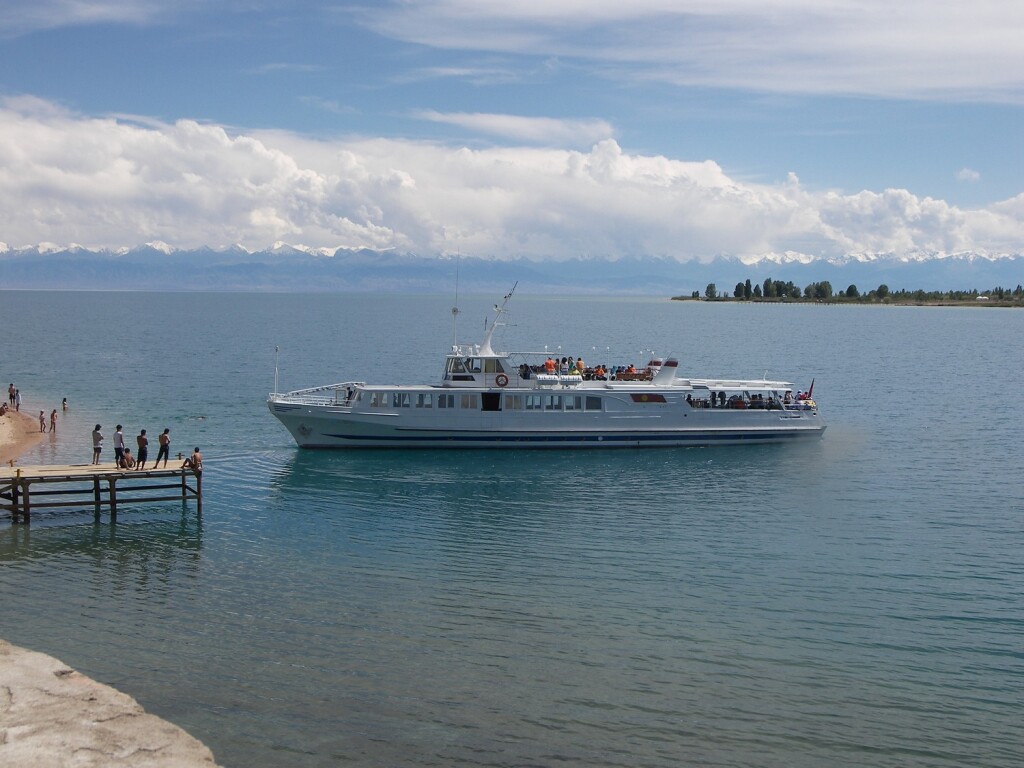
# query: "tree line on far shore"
{"type": "Point", "coordinates": [777, 291]}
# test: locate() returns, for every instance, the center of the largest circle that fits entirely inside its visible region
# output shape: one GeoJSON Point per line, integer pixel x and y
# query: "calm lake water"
{"type": "Point", "coordinates": [855, 602]}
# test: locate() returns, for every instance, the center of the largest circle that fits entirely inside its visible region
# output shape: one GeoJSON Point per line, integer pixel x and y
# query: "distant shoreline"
{"type": "Point", "coordinates": [854, 302]}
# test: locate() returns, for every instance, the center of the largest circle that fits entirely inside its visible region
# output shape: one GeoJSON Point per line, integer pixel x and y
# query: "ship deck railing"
{"type": "Point", "coordinates": [327, 394]}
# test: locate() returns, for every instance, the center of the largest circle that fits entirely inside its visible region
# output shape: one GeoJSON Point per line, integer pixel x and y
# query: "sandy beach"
{"type": "Point", "coordinates": [18, 433]}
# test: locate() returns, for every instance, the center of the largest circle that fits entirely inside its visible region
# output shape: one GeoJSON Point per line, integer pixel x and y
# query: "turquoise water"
{"type": "Point", "coordinates": [856, 602]}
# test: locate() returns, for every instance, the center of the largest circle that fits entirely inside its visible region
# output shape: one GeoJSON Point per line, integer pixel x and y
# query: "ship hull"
{"type": "Point", "coordinates": [334, 427]}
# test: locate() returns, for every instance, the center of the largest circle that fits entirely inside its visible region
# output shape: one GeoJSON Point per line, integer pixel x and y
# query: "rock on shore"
{"type": "Point", "coordinates": [51, 716]}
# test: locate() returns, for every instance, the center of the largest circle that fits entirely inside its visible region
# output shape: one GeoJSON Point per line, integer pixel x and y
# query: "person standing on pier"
{"type": "Point", "coordinates": [143, 454]}
{"type": "Point", "coordinates": [165, 448]}
{"type": "Point", "coordinates": [118, 447]}
{"type": "Point", "coordinates": [97, 444]}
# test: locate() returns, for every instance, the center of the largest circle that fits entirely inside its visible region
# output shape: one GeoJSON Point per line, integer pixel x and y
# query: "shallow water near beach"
{"type": "Point", "coordinates": [852, 602]}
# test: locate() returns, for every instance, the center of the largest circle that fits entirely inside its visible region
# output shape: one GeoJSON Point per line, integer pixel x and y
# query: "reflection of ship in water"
{"type": "Point", "coordinates": [125, 552]}
{"type": "Point", "coordinates": [532, 486]}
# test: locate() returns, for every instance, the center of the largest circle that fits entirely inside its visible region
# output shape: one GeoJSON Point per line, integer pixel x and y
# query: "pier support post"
{"type": "Point", "coordinates": [25, 501]}
{"type": "Point", "coordinates": [15, 499]}
{"type": "Point", "coordinates": [96, 493]}
{"type": "Point", "coordinates": [113, 497]}
{"type": "Point", "coordinates": [199, 492]}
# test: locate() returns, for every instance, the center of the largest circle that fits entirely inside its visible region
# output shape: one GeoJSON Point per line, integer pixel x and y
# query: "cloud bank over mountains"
{"type": "Point", "coordinates": [118, 181]}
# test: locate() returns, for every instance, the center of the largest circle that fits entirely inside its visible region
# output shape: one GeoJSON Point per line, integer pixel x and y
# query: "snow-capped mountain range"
{"type": "Point", "coordinates": [159, 266]}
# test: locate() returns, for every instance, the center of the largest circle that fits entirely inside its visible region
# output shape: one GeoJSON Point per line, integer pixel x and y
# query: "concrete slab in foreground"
{"type": "Point", "coordinates": [52, 716]}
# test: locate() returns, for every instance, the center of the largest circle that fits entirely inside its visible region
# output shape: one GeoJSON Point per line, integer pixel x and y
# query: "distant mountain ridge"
{"type": "Point", "coordinates": [284, 267]}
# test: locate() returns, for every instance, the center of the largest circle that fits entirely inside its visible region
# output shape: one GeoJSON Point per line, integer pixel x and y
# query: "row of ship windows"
{"type": "Point", "coordinates": [491, 401]}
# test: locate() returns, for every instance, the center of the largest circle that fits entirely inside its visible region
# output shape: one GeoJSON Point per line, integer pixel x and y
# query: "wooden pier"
{"type": "Point", "coordinates": [26, 489]}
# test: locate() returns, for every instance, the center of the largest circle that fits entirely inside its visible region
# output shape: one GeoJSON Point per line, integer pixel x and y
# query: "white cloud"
{"type": "Point", "coordinates": [328, 105]}
{"type": "Point", "coordinates": [968, 175]}
{"type": "Point", "coordinates": [533, 130]}
{"type": "Point", "coordinates": [914, 48]}
{"type": "Point", "coordinates": [284, 66]}
{"type": "Point", "coordinates": [23, 16]}
{"type": "Point", "coordinates": [477, 75]}
{"type": "Point", "coordinates": [103, 182]}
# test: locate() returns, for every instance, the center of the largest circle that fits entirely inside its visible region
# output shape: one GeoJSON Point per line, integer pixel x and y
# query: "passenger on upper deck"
{"type": "Point", "coordinates": [549, 365]}
{"type": "Point", "coordinates": [579, 365]}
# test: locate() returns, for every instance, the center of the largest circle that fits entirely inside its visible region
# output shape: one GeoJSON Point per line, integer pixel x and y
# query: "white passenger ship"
{"type": "Point", "coordinates": [488, 399]}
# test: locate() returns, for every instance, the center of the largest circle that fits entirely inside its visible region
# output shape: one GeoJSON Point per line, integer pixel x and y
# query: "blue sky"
{"type": "Point", "coordinates": [734, 126]}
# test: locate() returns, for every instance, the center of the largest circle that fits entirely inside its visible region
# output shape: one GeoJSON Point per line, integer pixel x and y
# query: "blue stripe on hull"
{"type": "Point", "coordinates": [695, 438]}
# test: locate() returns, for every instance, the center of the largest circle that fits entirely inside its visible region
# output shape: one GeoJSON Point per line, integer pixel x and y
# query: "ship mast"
{"type": "Point", "coordinates": [485, 347]}
{"type": "Point", "coordinates": [455, 311]}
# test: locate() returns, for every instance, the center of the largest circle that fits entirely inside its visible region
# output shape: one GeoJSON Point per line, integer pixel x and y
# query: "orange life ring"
{"type": "Point", "coordinates": [501, 379]}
